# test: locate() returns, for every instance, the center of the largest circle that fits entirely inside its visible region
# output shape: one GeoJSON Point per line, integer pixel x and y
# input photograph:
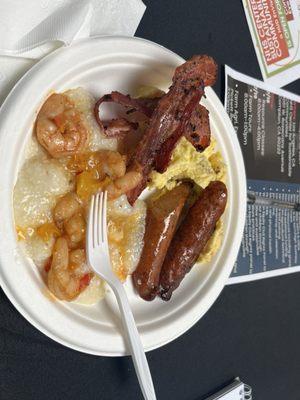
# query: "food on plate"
{"type": "Point", "coordinates": [162, 141]}
{"type": "Point", "coordinates": [126, 228]}
{"type": "Point", "coordinates": [40, 182]}
{"type": "Point", "coordinates": [171, 116]}
{"type": "Point", "coordinates": [124, 184]}
{"type": "Point", "coordinates": [119, 126]}
{"type": "Point", "coordinates": [198, 68]}
{"type": "Point", "coordinates": [66, 125]}
{"type": "Point", "coordinates": [92, 168]}
{"type": "Point", "coordinates": [198, 129]}
{"type": "Point", "coordinates": [187, 163]}
{"type": "Point", "coordinates": [60, 128]}
{"type": "Point", "coordinates": [162, 216]}
{"type": "Point", "coordinates": [213, 244]}
{"type": "Point", "coordinates": [192, 236]}
{"type": "Point", "coordinates": [68, 274]}
{"type": "Point", "coordinates": [201, 168]}
{"type": "Point", "coordinates": [51, 203]}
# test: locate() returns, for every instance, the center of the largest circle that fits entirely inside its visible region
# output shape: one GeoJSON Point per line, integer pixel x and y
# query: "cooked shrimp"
{"type": "Point", "coordinates": [68, 275]}
{"type": "Point", "coordinates": [66, 207]}
{"type": "Point", "coordinates": [69, 215]}
{"type": "Point", "coordinates": [75, 229]}
{"type": "Point", "coordinates": [60, 127]}
{"type": "Point", "coordinates": [102, 162]}
{"type": "Point", "coordinates": [123, 184]}
{"type": "Point", "coordinates": [112, 163]}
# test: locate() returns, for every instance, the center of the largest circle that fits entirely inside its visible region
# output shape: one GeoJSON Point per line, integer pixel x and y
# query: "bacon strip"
{"type": "Point", "coordinates": [149, 104]}
{"type": "Point", "coordinates": [196, 69]}
{"type": "Point", "coordinates": [173, 110]}
{"type": "Point", "coordinates": [119, 127]}
{"type": "Point", "coordinates": [164, 154]}
{"type": "Point", "coordinates": [197, 131]}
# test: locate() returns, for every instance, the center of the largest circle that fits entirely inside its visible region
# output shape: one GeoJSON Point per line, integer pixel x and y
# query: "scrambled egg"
{"type": "Point", "coordinates": [216, 161]}
{"type": "Point", "coordinates": [186, 162]}
{"type": "Point", "coordinates": [202, 168]}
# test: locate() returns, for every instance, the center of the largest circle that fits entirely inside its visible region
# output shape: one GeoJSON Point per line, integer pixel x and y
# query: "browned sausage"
{"type": "Point", "coordinates": [161, 221]}
{"type": "Point", "coordinates": [191, 237]}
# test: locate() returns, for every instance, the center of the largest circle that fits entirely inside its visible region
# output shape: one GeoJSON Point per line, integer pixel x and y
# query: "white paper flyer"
{"type": "Point", "coordinates": [267, 123]}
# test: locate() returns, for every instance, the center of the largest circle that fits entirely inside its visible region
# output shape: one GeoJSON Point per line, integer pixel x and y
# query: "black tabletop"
{"type": "Point", "coordinates": [252, 331]}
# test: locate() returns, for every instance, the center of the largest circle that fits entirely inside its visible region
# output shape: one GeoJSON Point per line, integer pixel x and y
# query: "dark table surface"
{"type": "Point", "coordinates": [251, 331]}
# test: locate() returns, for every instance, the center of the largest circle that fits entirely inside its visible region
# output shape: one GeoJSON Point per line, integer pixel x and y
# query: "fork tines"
{"type": "Point", "coordinates": [97, 221]}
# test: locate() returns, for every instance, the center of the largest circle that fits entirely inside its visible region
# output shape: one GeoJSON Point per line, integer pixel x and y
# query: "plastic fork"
{"type": "Point", "coordinates": [99, 260]}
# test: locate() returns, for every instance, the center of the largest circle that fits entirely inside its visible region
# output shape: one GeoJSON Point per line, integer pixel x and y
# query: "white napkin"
{"type": "Point", "coordinates": [30, 29]}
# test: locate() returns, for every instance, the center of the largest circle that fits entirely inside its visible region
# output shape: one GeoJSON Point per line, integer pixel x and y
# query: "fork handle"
{"type": "Point", "coordinates": [136, 347]}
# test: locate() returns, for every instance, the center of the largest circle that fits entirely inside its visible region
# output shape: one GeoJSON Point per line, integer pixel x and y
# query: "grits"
{"type": "Point", "coordinates": [42, 181]}
{"type": "Point", "coordinates": [126, 228]}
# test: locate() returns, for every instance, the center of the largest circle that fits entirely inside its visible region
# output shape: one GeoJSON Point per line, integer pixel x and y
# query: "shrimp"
{"type": "Point", "coordinates": [101, 162]}
{"type": "Point", "coordinates": [75, 230]}
{"type": "Point", "coordinates": [95, 169]}
{"type": "Point", "coordinates": [66, 207]}
{"type": "Point", "coordinates": [123, 184]}
{"type": "Point", "coordinates": [60, 128]}
{"type": "Point", "coordinates": [68, 214]}
{"type": "Point", "coordinates": [112, 163]}
{"type": "Point", "coordinates": [68, 275]}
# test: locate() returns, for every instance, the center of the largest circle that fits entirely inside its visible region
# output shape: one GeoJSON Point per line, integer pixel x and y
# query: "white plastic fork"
{"type": "Point", "coordinates": [99, 260]}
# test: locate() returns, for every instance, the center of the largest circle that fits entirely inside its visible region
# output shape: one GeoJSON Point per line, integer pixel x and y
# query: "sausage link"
{"type": "Point", "coordinates": [161, 221]}
{"type": "Point", "coordinates": [191, 237]}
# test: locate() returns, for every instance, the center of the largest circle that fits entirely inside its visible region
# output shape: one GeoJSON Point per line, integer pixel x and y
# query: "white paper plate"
{"type": "Point", "coordinates": [101, 65]}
